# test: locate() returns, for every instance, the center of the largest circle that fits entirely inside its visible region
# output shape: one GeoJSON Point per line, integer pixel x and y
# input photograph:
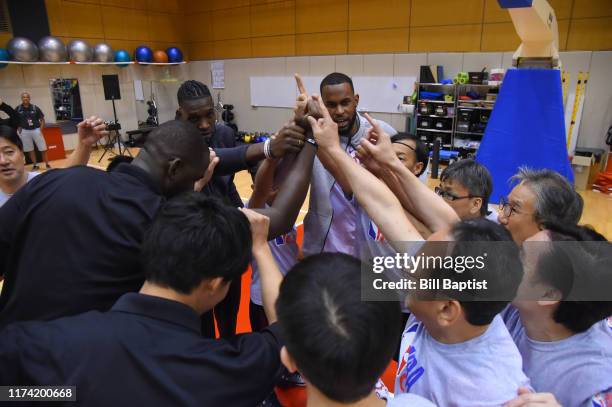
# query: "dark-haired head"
{"type": "Point", "coordinates": [195, 239]}
{"type": "Point", "coordinates": [339, 96]}
{"type": "Point", "coordinates": [12, 159]}
{"type": "Point", "coordinates": [495, 259]}
{"type": "Point", "coordinates": [411, 151]}
{"type": "Point", "coordinates": [467, 186]}
{"type": "Point", "coordinates": [340, 344]}
{"type": "Point", "coordinates": [567, 275]}
{"type": "Point", "coordinates": [196, 106]}
{"type": "Point", "coordinates": [175, 155]}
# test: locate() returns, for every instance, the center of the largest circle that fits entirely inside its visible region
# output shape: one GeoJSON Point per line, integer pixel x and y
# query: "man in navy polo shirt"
{"type": "Point", "coordinates": [148, 349]}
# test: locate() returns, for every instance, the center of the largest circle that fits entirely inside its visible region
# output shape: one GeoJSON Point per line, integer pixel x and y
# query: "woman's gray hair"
{"type": "Point", "coordinates": [556, 201]}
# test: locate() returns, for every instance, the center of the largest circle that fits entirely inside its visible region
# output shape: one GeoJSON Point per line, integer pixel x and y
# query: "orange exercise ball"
{"type": "Point", "coordinates": [160, 56]}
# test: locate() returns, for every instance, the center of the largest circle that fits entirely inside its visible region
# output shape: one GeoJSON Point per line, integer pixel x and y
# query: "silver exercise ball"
{"type": "Point", "coordinates": [103, 53]}
{"type": "Point", "coordinates": [52, 49]}
{"type": "Point", "coordinates": [80, 51]}
{"type": "Point", "coordinates": [22, 49]}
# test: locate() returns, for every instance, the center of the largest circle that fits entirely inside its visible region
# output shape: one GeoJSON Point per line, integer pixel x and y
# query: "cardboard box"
{"type": "Point", "coordinates": [581, 166]}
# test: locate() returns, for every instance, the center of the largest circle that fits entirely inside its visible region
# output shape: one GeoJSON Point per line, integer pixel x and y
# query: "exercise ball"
{"type": "Point", "coordinates": [4, 56]}
{"type": "Point", "coordinates": [160, 56]}
{"type": "Point", "coordinates": [103, 53]}
{"type": "Point", "coordinates": [143, 54]}
{"type": "Point", "coordinates": [122, 55]}
{"type": "Point", "coordinates": [22, 50]}
{"type": "Point", "coordinates": [80, 51]}
{"type": "Point", "coordinates": [52, 49]}
{"type": "Point", "coordinates": [174, 55]}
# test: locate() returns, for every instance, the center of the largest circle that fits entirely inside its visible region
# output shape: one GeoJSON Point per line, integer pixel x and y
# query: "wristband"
{"type": "Point", "coordinates": [312, 141]}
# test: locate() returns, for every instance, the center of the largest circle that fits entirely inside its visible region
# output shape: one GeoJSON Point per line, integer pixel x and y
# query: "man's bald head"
{"type": "Point", "coordinates": [178, 154]}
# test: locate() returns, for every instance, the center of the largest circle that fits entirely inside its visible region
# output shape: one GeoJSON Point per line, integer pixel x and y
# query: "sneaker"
{"type": "Point", "coordinates": [34, 167]}
{"type": "Point", "coordinates": [48, 166]}
{"type": "Point", "coordinates": [291, 380]}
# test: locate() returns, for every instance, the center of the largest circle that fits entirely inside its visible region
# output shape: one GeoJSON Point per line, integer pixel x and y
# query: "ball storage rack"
{"type": "Point", "coordinates": [94, 63]}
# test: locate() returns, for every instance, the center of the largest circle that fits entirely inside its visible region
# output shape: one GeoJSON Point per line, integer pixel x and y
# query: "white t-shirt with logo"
{"type": "Point", "coordinates": [483, 371]}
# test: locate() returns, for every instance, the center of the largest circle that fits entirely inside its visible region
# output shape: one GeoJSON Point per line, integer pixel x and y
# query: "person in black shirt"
{"type": "Point", "coordinates": [147, 350]}
{"type": "Point", "coordinates": [13, 119]}
{"type": "Point", "coordinates": [31, 127]}
{"type": "Point", "coordinates": [69, 238]}
{"type": "Point", "coordinates": [196, 106]}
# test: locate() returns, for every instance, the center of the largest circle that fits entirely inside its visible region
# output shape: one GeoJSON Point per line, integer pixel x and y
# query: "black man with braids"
{"type": "Point", "coordinates": [196, 106]}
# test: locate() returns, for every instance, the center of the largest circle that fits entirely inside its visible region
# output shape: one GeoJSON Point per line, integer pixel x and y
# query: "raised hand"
{"type": "Point", "coordinates": [325, 130]}
{"type": "Point", "coordinates": [377, 143]}
{"type": "Point", "coordinates": [91, 130]}
{"type": "Point", "coordinates": [288, 140]}
{"type": "Point", "coordinates": [259, 228]}
{"type": "Point", "coordinates": [526, 398]}
{"type": "Point", "coordinates": [367, 159]}
{"type": "Point", "coordinates": [301, 103]}
{"type": "Point", "coordinates": [213, 161]}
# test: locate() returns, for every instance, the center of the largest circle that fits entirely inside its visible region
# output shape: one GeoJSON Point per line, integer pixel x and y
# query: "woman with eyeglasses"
{"type": "Point", "coordinates": [540, 196]}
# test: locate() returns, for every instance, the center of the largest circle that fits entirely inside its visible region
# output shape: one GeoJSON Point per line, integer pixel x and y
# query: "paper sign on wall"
{"type": "Point", "coordinates": [218, 74]}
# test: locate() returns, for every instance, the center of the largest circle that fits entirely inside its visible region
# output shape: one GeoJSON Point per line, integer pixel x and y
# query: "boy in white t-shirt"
{"type": "Point", "coordinates": [560, 320]}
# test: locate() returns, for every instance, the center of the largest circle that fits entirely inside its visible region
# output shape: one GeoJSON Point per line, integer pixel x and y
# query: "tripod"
{"type": "Point", "coordinates": [114, 137]}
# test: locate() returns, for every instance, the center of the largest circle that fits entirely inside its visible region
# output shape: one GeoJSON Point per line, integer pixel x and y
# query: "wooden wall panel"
{"type": "Point", "coordinates": [378, 41]}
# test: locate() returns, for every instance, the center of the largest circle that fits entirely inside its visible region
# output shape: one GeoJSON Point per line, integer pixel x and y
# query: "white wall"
{"type": "Point", "coordinates": [15, 79]}
{"type": "Point", "coordinates": [597, 116]}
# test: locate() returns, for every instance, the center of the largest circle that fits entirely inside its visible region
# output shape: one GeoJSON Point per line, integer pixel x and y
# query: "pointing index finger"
{"type": "Point", "coordinates": [300, 83]}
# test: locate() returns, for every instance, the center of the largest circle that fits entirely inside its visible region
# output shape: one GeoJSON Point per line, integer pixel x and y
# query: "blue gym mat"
{"type": "Point", "coordinates": [526, 128]}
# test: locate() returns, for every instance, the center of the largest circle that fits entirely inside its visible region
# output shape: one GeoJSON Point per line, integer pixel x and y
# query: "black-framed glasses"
{"type": "Point", "coordinates": [505, 207]}
{"type": "Point", "coordinates": [451, 197]}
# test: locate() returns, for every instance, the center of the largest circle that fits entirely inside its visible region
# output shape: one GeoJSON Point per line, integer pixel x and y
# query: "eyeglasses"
{"type": "Point", "coordinates": [506, 208]}
{"type": "Point", "coordinates": [449, 196]}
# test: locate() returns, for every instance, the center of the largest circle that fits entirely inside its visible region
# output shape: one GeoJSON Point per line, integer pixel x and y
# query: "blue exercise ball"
{"type": "Point", "coordinates": [4, 56]}
{"type": "Point", "coordinates": [122, 55]}
{"type": "Point", "coordinates": [22, 49]}
{"type": "Point", "coordinates": [143, 54]}
{"type": "Point", "coordinates": [174, 55]}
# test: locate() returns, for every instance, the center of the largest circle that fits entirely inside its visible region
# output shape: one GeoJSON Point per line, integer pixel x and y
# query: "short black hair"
{"type": "Point", "coordinates": [565, 266]}
{"type": "Point", "coordinates": [193, 238]}
{"type": "Point", "coordinates": [504, 269]}
{"type": "Point", "coordinates": [474, 176]}
{"type": "Point", "coordinates": [340, 344]}
{"type": "Point", "coordinates": [10, 134]}
{"type": "Point", "coordinates": [191, 90]}
{"type": "Point", "coordinates": [420, 150]}
{"type": "Point", "coordinates": [336, 78]}
{"type": "Point", "coordinates": [556, 199]}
